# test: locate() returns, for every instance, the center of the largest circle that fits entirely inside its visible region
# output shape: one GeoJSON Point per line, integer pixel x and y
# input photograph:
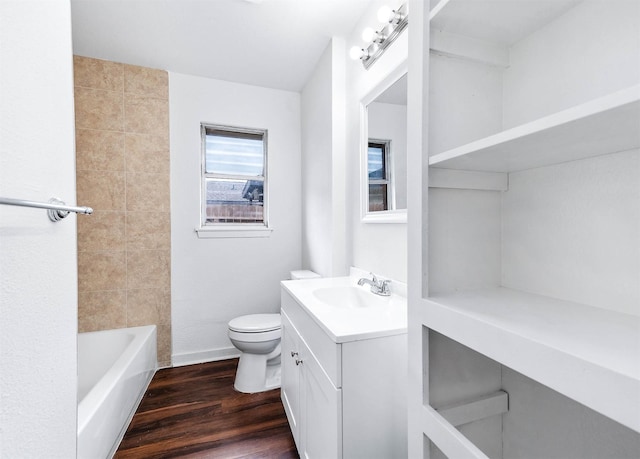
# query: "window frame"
{"type": "Point", "coordinates": [232, 229]}
{"type": "Point", "coordinates": [385, 145]}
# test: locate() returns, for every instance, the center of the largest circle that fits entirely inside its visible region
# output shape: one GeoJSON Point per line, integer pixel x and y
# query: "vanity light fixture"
{"type": "Point", "coordinates": [377, 41]}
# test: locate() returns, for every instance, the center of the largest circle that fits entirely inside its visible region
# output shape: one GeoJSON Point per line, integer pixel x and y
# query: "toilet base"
{"type": "Point", "coordinates": [256, 373]}
{"type": "Point", "coordinates": [273, 377]}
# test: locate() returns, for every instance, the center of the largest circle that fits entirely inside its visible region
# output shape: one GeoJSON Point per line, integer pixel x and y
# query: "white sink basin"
{"type": "Point", "coordinates": [350, 297]}
{"type": "Point", "coordinates": [348, 311]}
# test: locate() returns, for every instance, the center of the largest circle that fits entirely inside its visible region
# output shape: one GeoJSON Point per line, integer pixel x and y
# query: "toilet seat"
{"type": "Point", "coordinates": [256, 323]}
{"type": "Point", "coordinates": [258, 337]}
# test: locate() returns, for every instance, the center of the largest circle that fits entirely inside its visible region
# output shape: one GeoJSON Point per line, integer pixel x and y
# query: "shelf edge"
{"type": "Point", "coordinates": [563, 372]}
{"type": "Point", "coordinates": [594, 107]}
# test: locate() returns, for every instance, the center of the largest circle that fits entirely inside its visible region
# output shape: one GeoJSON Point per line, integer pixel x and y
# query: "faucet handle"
{"type": "Point", "coordinates": [384, 286]}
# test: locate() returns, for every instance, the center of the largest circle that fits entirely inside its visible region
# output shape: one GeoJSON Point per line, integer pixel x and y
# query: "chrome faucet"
{"type": "Point", "coordinates": [379, 287]}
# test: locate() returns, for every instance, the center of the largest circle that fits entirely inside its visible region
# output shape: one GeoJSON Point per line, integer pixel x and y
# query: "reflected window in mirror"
{"type": "Point", "coordinates": [384, 151]}
{"type": "Point", "coordinates": [379, 175]}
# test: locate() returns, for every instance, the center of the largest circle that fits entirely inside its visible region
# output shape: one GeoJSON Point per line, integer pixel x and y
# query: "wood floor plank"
{"type": "Point", "coordinates": [194, 412]}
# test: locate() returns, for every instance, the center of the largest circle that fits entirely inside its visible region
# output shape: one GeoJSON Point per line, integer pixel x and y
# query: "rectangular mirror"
{"type": "Point", "coordinates": [384, 151]}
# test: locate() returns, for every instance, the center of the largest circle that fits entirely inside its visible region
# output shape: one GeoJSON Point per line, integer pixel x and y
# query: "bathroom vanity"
{"type": "Point", "coordinates": [344, 369]}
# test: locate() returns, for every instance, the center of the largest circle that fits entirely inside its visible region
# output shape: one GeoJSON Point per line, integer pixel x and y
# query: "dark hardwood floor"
{"type": "Point", "coordinates": [193, 411]}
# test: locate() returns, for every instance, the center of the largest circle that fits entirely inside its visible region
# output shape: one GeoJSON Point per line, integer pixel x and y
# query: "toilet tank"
{"type": "Point", "coordinates": [303, 274]}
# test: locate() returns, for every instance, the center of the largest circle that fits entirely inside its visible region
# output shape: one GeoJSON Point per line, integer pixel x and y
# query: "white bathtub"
{"type": "Point", "coordinates": [114, 370]}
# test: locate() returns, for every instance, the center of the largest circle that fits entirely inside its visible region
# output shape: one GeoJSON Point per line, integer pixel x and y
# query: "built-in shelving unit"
{"type": "Point", "coordinates": [589, 354]}
{"type": "Point", "coordinates": [484, 287]}
{"type": "Point", "coordinates": [605, 125]}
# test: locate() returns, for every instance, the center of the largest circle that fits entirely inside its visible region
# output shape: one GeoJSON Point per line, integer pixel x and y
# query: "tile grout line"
{"type": "Point", "coordinates": [126, 215]}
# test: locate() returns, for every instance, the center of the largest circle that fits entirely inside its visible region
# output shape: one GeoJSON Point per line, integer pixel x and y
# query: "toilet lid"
{"type": "Point", "coordinates": [256, 323]}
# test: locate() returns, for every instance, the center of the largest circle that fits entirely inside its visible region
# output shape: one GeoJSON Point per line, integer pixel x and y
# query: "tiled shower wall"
{"type": "Point", "coordinates": [122, 163]}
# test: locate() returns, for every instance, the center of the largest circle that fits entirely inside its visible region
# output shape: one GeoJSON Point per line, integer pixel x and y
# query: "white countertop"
{"type": "Point", "coordinates": [386, 317]}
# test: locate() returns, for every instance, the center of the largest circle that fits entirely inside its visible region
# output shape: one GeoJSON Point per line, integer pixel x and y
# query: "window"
{"type": "Point", "coordinates": [234, 185]}
{"type": "Point", "coordinates": [379, 175]}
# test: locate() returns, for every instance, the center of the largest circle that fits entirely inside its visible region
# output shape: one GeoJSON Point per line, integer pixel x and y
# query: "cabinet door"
{"type": "Point", "coordinates": [321, 430]}
{"type": "Point", "coordinates": [290, 379]}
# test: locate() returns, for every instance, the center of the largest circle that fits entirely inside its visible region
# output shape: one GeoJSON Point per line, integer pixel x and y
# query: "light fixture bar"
{"type": "Point", "coordinates": [397, 22]}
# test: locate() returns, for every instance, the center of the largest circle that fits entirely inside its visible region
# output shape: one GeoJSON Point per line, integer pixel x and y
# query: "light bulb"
{"type": "Point", "coordinates": [388, 30]}
{"type": "Point", "coordinates": [368, 34]}
{"type": "Point", "coordinates": [385, 14]}
{"type": "Point", "coordinates": [382, 35]}
{"type": "Point", "coordinates": [355, 53]}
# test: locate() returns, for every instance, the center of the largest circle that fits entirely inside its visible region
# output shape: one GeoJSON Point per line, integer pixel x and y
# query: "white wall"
{"type": "Point", "coordinates": [215, 280]}
{"type": "Point", "coordinates": [380, 248]}
{"type": "Point", "coordinates": [544, 75]}
{"type": "Point", "coordinates": [581, 219]}
{"type": "Point", "coordinates": [471, 106]}
{"type": "Point", "coordinates": [542, 423]}
{"type": "Point", "coordinates": [38, 276]}
{"type": "Point", "coordinates": [323, 174]}
{"type": "Point", "coordinates": [458, 220]}
{"type": "Point", "coordinates": [317, 168]}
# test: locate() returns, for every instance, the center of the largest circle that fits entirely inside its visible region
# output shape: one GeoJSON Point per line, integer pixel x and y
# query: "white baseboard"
{"type": "Point", "coordinates": [213, 355]}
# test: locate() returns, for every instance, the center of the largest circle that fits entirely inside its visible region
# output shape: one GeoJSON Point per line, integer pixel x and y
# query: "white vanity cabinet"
{"type": "Point", "coordinates": [344, 397]}
{"type": "Point", "coordinates": [311, 401]}
{"type": "Point", "coordinates": [290, 376]}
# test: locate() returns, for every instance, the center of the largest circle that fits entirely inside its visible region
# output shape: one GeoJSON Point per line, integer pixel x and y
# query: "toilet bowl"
{"type": "Point", "coordinates": [257, 337]}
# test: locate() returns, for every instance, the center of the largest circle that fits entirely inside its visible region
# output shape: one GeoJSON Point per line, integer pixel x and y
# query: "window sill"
{"type": "Point", "coordinates": [209, 232]}
{"type": "Point", "coordinates": [386, 216]}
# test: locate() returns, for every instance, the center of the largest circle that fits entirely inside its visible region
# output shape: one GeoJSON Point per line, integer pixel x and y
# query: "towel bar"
{"type": "Point", "coordinates": [57, 209]}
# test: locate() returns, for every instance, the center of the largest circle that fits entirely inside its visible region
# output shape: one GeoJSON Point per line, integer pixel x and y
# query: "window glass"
{"type": "Point", "coordinates": [378, 198]}
{"type": "Point", "coordinates": [234, 179]}
{"type": "Point", "coordinates": [379, 177]}
{"type": "Point", "coordinates": [234, 155]}
{"type": "Point", "coordinates": [376, 163]}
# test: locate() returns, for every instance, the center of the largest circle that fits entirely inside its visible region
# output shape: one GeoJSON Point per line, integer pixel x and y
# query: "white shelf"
{"type": "Point", "coordinates": [589, 354]}
{"type": "Point", "coordinates": [605, 125]}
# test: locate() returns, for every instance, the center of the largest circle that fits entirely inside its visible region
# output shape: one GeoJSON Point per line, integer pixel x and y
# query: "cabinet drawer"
{"type": "Point", "coordinates": [326, 352]}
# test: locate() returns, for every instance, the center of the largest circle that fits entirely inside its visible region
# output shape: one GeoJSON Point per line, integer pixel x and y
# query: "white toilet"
{"type": "Point", "coordinates": [258, 336]}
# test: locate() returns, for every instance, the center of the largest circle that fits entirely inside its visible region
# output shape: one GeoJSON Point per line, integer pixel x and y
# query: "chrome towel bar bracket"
{"type": "Point", "coordinates": [56, 208]}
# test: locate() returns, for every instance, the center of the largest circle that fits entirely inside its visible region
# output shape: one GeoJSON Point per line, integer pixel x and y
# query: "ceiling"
{"type": "Point", "coordinates": [268, 43]}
